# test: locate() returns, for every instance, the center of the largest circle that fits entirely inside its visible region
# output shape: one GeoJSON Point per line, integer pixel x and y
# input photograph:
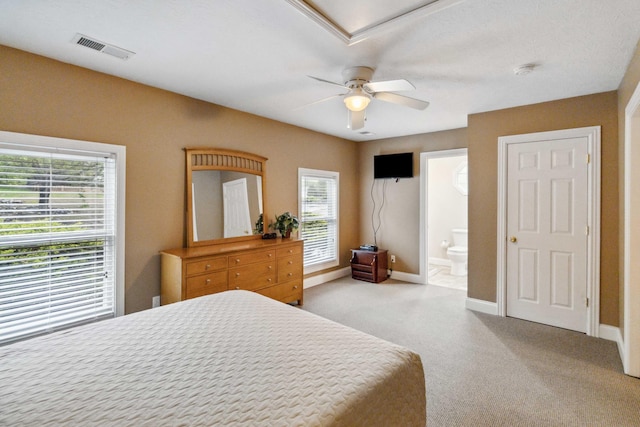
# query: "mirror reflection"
{"type": "Point", "coordinates": [225, 204]}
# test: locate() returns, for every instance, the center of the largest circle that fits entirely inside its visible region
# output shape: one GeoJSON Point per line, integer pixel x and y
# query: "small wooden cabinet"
{"type": "Point", "coordinates": [270, 267]}
{"type": "Point", "coordinates": [370, 266]}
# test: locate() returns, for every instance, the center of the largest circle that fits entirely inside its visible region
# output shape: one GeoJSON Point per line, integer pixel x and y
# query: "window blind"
{"type": "Point", "coordinates": [319, 217]}
{"type": "Point", "coordinates": [57, 240]}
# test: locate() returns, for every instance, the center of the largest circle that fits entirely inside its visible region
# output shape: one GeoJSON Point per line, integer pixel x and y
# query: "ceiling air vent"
{"type": "Point", "coordinates": [94, 44]}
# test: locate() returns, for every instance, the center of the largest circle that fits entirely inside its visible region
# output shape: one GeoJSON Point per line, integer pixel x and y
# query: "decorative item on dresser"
{"type": "Point", "coordinates": [286, 223]}
{"type": "Point", "coordinates": [226, 248]}
{"type": "Point", "coordinates": [370, 266]}
{"type": "Point", "coordinates": [270, 267]}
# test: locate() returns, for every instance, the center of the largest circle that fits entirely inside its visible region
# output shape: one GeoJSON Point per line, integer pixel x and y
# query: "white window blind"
{"type": "Point", "coordinates": [319, 218]}
{"type": "Point", "coordinates": [57, 239]}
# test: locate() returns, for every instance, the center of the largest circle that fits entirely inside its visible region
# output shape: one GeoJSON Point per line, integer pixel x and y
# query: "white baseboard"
{"type": "Point", "coordinates": [482, 306]}
{"type": "Point", "coordinates": [326, 277]}
{"type": "Point", "coordinates": [612, 333]}
{"type": "Point", "coordinates": [405, 277]}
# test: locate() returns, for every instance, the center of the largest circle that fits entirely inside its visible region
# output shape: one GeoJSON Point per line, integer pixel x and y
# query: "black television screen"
{"type": "Point", "coordinates": [393, 166]}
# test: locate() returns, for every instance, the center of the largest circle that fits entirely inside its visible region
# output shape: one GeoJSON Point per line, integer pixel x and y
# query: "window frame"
{"type": "Point", "coordinates": [41, 143]}
{"type": "Point", "coordinates": [304, 172]}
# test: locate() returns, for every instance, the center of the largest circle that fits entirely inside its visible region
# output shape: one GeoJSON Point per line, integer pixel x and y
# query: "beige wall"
{"type": "Point", "coordinates": [626, 89]}
{"type": "Point", "coordinates": [484, 130]}
{"type": "Point", "coordinates": [46, 97]}
{"type": "Point", "coordinates": [42, 96]}
{"type": "Point", "coordinates": [400, 216]}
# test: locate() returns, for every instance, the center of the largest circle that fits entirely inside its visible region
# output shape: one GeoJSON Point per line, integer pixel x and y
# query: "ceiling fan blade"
{"type": "Point", "coordinates": [327, 81]}
{"type": "Point", "coordinates": [319, 101]}
{"type": "Point", "coordinates": [402, 100]}
{"type": "Point", "coordinates": [356, 119]}
{"type": "Point", "coordinates": [389, 86]}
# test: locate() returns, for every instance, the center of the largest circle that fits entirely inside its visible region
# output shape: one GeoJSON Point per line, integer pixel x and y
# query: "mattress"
{"type": "Point", "coordinates": [233, 358]}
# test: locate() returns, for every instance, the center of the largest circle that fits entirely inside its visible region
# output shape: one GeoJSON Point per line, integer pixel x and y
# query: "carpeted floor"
{"type": "Point", "coordinates": [485, 370]}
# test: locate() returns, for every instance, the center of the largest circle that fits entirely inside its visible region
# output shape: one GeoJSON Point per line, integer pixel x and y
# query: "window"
{"type": "Point", "coordinates": [319, 191]}
{"type": "Point", "coordinates": [61, 233]}
{"type": "Point", "coordinates": [461, 178]}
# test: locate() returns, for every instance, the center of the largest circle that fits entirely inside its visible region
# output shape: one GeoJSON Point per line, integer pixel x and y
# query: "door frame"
{"type": "Point", "coordinates": [424, 202]}
{"type": "Point", "coordinates": [592, 134]}
{"type": "Point", "coordinates": [631, 281]}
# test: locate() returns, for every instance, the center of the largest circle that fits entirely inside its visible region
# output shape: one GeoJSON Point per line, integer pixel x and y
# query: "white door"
{"type": "Point", "coordinates": [237, 219]}
{"type": "Point", "coordinates": [547, 218]}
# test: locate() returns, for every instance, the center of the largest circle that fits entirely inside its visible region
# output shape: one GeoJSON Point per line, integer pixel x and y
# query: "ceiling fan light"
{"type": "Point", "coordinates": [357, 100]}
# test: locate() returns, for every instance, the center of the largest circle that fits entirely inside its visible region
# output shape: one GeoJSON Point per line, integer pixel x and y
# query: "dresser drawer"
{"type": "Point", "coordinates": [206, 265]}
{"type": "Point", "coordinates": [206, 284]}
{"type": "Point", "coordinates": [284, 292]}
{"type": "Point", "coordinates": [289, 268]}
{"type": "Point", "coordinates": [250, 258]}
{"type": "Point", "coordinates": [252, 276]}
{"type": "Point", "coordinates": [291, 250]}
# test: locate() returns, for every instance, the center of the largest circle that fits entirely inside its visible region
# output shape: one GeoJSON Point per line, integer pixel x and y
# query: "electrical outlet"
{"type": "Point", "coordinates": [155, 301]}
{"type": "Point", "coordinates": [393, 258]}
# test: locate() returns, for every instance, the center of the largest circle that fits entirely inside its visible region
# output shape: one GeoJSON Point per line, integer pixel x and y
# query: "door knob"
{"type": "Point", "coordinates": [513, 239]}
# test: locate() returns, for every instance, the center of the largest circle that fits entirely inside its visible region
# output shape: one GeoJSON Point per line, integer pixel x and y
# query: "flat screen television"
{"type": "Point", "coordinates": [393, 166]}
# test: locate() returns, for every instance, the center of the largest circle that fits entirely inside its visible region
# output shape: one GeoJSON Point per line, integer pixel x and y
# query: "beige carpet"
{"type": "Point", "coordinates": [483, 370]}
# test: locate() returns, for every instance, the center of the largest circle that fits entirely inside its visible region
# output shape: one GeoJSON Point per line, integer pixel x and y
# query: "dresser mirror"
{"type": "Point", "coordinates": [225, 196]}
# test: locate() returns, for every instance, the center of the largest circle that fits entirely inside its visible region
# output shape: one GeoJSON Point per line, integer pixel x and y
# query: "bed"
{"type": "Point", "coordinates": [233, 358]}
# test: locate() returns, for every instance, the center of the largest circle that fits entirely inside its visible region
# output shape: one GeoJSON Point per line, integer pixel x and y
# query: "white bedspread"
{"type": "Point", "coordinates": [234, 358]}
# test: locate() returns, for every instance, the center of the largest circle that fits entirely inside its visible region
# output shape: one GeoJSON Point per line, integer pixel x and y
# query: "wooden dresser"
{"type": "Point", "coordinates": [270, 267]}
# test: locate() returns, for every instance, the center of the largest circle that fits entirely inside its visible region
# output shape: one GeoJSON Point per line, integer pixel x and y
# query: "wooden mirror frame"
{"type": "Point", "coordinates": [204, 159]}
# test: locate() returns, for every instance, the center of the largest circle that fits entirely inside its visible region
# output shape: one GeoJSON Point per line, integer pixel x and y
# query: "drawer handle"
{"type": "Point", "coordinates": [295, 287]}
{"type": "Point", "coordinates": [270, 267]}
{"type": "Point", "coordinates": [290, 274]}
{"type": "Point", "coordinates": [237, 260]}
{"type": "Point", "coordinates": [290, 262]}
{"type": "Point", "coordinates": [270, 255]}
{"type": "Point", "coordinates": [208, 281]}
{"type": "Point", "coordinates": [290, 251]}
{"type": "Point", "coordinates": [237, 288]}
{"type": "Point", "coordinates": [237, 274]}
{"type": "Point", "coordinates": [269, 280]}
{"type": "Point", "coordinates": [208, 266]}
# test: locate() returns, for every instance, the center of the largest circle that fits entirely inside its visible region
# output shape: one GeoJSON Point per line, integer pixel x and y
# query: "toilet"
{"type": "Point", "coordinates": [458, 252]}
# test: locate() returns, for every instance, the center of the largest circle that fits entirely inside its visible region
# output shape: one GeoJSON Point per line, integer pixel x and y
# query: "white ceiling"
{"type": "Point", "coordinates": [255, 55]}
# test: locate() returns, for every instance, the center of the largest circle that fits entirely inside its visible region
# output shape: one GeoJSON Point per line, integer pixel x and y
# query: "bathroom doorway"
{"type": "Point", "coordinates": [445, 197]}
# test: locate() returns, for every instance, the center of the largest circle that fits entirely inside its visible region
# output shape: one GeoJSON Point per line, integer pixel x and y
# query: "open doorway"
{"type": "Point", "coordinates": [445, 199]}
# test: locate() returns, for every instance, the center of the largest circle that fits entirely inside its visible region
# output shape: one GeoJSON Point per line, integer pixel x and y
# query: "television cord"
{"type": "Point", "coordinates": [373, 211]}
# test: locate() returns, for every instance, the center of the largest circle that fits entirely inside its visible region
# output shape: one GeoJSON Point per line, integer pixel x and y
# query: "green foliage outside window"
{"type": "Point", "coordinates": [43, 195]}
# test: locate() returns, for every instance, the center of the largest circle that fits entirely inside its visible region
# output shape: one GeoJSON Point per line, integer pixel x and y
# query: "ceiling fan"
{"type": "Point", "coordinates": [357, 80]}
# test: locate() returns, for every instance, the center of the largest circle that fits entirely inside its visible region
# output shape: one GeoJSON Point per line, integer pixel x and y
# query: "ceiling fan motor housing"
{"type": "Point", "coordinates": [357, 76]}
